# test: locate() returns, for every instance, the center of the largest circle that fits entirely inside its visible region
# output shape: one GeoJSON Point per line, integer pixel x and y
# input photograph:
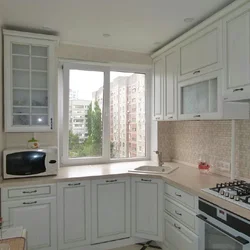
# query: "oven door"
{"type": "Point", "coordinates": [214, 235]}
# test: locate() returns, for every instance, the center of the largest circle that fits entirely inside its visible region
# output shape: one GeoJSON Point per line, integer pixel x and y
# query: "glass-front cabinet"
{"type": "Point", "coordinates": [199, 98]}
{"type": "Point", "coordinates": [29, 81]}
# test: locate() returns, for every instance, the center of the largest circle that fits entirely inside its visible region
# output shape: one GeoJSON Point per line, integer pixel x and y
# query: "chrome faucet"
{"type": "Point", "coordinates": [159, 154]}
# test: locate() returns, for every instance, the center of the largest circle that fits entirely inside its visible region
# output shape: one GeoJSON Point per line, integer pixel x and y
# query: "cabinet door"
{"type": "Point", "coordinates": [202, 53]}
{"type": "Point", "coordinates": [74, 211]}
{"type": "Point", "coordinates": [178, 235]}
{"type": "Point", "coordinates": [29, 79]}
{"type": "Point", "coordinates": [38, 217]}
{"type": "Point", "coordinates": [110, 209]}
{"type": "Point", "coordinates": [170, 86]}
{"type": "Point", "coordinates": [237, 54]}
{"type": "Point", "coordinates": [147, 196]}
{"type": "Point", "coordinates": [200, 98]}
{"type": "Point", "coordinates": [158, 78]}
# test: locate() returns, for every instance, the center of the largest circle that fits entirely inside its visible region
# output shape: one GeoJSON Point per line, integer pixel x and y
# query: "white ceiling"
{"type": "Point", "coordinates": [134, 25]}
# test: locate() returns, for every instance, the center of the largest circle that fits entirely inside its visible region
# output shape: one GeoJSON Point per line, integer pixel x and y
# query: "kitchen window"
{"type": "Point", "coordinates": [105, 133]}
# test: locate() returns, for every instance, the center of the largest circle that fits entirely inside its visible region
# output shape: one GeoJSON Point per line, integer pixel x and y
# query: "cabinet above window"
{"type": "Point", "coordinates": [29, 81]}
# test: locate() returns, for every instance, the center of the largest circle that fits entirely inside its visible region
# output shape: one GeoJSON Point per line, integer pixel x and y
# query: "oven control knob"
{"type": "Point", "coordinates": [237, 198]}
{"type": "Point", "coordinates": [226, 194]}
{"type": "Point", "coordinates": [222, 192]}
{"type": "Point", "coordinates": [231, 196]}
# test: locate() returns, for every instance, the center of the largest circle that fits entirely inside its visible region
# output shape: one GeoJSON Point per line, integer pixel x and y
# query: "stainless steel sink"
{"type": "Point", "coordinates": [154, 169]}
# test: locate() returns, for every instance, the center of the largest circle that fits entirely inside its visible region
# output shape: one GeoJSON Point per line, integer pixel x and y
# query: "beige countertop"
{"type": "Point", "coordinates": [185, 177]}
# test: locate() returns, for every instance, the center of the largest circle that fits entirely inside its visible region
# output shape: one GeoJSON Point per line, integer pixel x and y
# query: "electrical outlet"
{"type": "Point", "coordinates": [224, 166]}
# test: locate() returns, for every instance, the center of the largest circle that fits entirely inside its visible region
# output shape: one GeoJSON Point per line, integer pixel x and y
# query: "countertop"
{"type": "Point", "coordinates": [185, 177]}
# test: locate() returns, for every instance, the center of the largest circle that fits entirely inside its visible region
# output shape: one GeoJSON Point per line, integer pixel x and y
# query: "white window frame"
{"type": "Point", "coordinates": [64, 114]}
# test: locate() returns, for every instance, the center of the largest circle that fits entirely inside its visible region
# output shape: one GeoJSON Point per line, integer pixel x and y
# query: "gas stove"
{"type": "Point", "coordinates": [237, 192]}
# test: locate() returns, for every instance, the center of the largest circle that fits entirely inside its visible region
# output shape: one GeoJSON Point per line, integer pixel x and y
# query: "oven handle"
{"type": "Point", "coordinates": [239, 239]}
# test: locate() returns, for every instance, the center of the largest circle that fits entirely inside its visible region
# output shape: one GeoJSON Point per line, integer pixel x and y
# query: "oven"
{"type": "Point", "coordinates": [221, 230]}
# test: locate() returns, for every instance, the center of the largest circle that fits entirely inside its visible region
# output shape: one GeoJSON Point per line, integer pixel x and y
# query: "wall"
{"type": "Point", "coordinates": [186, 140]}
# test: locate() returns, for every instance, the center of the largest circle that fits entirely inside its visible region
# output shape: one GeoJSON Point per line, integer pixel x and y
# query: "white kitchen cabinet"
{"type": "Point", "coordinates": [110, 209]}
{"type": "Point", "coordinates": [201, 53]}
{"type": "Point", "coordinates": [201, 99]}
{"type": "Point", "coordinates": [236, 28]}
{"type": "Point", "coordinates": [158, 85]}
{"type": "Point", "coordinates": [29, 81]}
{"type": "Point", "coordinates": [74, 214]}
{"type": "Point", "coordinates": [170, 86]}
{"type": "Point", "coordinates": [178, 235]}
{"type": "Point", "coordinates": [38, 217]}
{"type": "Point", "coordinates": [147, 208]}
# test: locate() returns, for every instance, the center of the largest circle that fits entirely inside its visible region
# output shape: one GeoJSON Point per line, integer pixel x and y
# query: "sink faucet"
{"type": "Point", "coordinates": [159, 154]}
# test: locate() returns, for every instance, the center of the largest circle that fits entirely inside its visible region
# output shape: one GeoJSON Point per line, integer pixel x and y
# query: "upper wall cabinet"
{"type": "Point", "coordinates": [29, 81]}
{"type": "Point", "coordinates": [236, 28]}
{"type": "Point", "coordinates": [158, 81]}
{"type": "Point", "coordinates": [201, 53]}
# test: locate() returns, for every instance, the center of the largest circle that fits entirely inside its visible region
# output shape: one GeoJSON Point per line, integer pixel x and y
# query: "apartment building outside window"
{"type": "Point", "coordinates": [115, 108]}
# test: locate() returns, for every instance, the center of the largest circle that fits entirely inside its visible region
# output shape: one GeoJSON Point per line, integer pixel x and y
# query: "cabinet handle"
{"type": "Point", "coordinates": [176, 226]}
{"type": "Point", "coordinates": [148, 180]}
{"type": "Point", "coordinates": [157, 118]}
{"type": "Point", "coordinates": [179, 195]}
{"type": "Point", "coordinates": [171, 117]}
{"type": "Point", "coordinates": [74, 184]}
{"type": "Point", "coordinates": [196, 116]}
{"type": "Point", "coordinates": [235, 90]}
{"type": "Point", "coordinates": [110, 181]}
{"type": "Point", "coordinates": [196, 72]}
{"type": "Point", "coordinates": [178, 213]}
{"type": "Point", "coordinates": [29, 192]}
{"type": "Point", "coordinates": [29, 203]}
{"type": "Point", "coordinates": [51, 123]}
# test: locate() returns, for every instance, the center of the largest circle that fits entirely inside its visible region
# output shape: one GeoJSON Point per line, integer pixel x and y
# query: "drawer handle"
{"type": "Point", "coordinates": [148, 180]}
{"type": "Point", "coordinates": [240, 89]}
{"type": "Point", "coordinates": [179, 195]}
{"type": "Point", "coordinates": [176, 226]}
{"type": "Point", "coordinates": [171, 117]}
{"type": "Point", "coordinates": [74, 184]}
{"type": "Point", "coordinates": [110, 181]}
{"type": "Point", "coordinates": [196, 116]}
{"type": "Point", "coordinates": [29, 203]}
{"type": "Point", "coordinates": [196, 72]}
{"type": "Point", "coordinates": [178, 213]}
{"type": "Point", "coordinates": [29, 192]}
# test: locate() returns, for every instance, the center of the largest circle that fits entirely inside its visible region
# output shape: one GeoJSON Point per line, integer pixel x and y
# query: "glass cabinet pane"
{"type": "Point", "coordinates": [39, 98]}
{"type": "Point", "coordinates": [39, 51]}
{"type": "Point", "coordinates": [38, 63]}
{"type": "Point", "coordinates": [21, 97]}
{"type": "Point", "coordinates": [21, 120]}
{"type": "Point", "coordinates": [39, 110]}
{"type": "Point", "coordinates": [199, 98]}
{"type": "Point", "coordinates": [39, 120]}
{"type": "Point", "coordinates": [19, 110]}
{"type": "Point", "coordinates": [21, 79]}
{"type": "Point", "coordinates": [21, 62]}
{"type": "Point", "coordinates": [20, 49]}
{"type": "Point", "coordinates": [39, 80]}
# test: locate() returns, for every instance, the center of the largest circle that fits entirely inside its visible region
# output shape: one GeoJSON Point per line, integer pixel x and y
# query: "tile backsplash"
{"type": "Point", "coordinates": [186, 141]}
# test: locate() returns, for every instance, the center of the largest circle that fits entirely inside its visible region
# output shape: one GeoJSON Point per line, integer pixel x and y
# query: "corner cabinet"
{"type": "Point", "coordinates": [74, 214]}
{"type": "Point", "coordinates": [29, 81]}
{"type": "Point", "coordinates": [147, 197]}
{"type": "Point", "coordinates": [110, 209]}
{"type": "Point", "coordinates": [237, 54]}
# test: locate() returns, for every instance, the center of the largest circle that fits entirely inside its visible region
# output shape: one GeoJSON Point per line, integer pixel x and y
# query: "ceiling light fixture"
{"type": "Point", "coordinates": [189, 20]}
{"type": "Point", "coordinates": [106, 35]}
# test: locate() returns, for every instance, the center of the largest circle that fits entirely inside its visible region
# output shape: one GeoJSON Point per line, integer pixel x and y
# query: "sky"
{"type": "Point", "coordinates": [89, 81]}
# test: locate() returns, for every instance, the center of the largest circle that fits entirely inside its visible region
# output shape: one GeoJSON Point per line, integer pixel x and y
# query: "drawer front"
{"type": "Point", "coordinates": [178, 235]}
{"type": "Point", "coordinates": [185, 198]}
{"type": "Point", "coordinates": [28, 191]}
{"type": "Point", "coordinates": [182, 215]}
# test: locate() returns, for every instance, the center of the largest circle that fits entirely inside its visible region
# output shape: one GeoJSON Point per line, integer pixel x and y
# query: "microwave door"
{"type": "Point", "coordinates": [25, 163]}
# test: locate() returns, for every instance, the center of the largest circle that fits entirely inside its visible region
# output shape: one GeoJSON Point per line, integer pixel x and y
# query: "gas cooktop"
{"type": "Point", "coordinates": [237, 192]}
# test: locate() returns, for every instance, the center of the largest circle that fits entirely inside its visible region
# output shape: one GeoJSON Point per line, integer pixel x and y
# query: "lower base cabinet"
{"type": "Point", "coordinates": [110, 209]}
{"type": "Point", "coordinates": [38, 217]}
{"type": "Point", "coordinates": [147, 196]}
{"type": "Point", "coordinates": [178, 237]}
{"type": "Point", "coordinates": [74, 214]}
